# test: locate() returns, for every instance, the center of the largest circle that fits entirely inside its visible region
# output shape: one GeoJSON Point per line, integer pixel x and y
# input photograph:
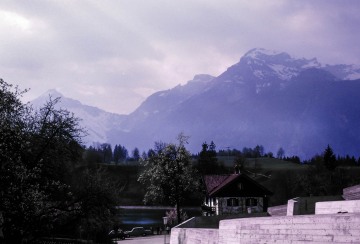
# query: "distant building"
{"type": "Point", "coordinates": [234, 194]}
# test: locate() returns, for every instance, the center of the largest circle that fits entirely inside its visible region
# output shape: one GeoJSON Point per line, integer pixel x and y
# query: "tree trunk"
{"type": "Point", "coordinates": [178, 213]}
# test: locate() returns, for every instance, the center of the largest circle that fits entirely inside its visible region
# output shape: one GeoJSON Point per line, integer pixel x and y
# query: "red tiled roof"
{"type": "Point", "coordinates": [212, 181]}
{"type": "Point", "coordinates": [228, 179]}
{"type": "Point", "coordinates": [216, 183]}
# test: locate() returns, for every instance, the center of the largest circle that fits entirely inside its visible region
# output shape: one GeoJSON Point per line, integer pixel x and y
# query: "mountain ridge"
{"type": "Point", "coordinates": [267, 98]}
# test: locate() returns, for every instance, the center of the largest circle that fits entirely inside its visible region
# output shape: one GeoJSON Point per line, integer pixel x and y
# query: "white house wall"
{"type": "Point", "coordinates": [222, 207]}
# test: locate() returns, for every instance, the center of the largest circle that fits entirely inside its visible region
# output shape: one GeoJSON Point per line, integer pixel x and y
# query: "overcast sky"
{"type": "Point", "coordinates": [114, 53]}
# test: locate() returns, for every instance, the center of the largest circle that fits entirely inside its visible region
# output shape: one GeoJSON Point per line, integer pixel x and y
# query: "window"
{"type": "Point", "coordinates": [250, 202]}
{"type": "Point", "coordinates": [232, 202]}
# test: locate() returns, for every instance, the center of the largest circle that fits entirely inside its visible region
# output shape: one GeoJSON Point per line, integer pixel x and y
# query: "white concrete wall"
{"type": "Point", "coordinates": [351, 193]}
{"type": "Point", "coordinates": [293, 207]}
{"type": "Point", "coordinates": [327, 226]}
{"type": "Point", "coordinates": [334, 228]}
{"type": "Point", "coordinates": [351, 206]}
{"type": "Point", "coordinates": [194, 235]}
{"type": "Point", "coordinates": [280, 210]}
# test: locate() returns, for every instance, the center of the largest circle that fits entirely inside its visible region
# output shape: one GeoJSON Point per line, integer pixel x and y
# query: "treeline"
{"type": "Point", "coordinates": [103, 153]}
{"type": "Point", "coordinates": [247, 152]}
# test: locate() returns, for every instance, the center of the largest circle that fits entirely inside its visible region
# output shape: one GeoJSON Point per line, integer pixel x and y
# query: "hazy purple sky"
{"type": "Point", "coordinates": [113, 54]}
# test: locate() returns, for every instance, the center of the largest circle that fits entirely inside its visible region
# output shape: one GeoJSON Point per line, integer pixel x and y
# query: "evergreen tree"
{"type": "Point", "coordinates": [123, 154]}
{"type": "Point", "coordinates": [136, 154]}
{"type": "Point", "coordinates": [116, 154]}
{"type": "Point", "coordinates": [329, 159]}
{"type": "Point", "coordinates": [93, 156]}
{"type": "Point", "coordinates": [207, 161]}
{"type": "Point", "coordinates": [106, 152]}
{"type": "Point", "coordinates": [120, 154]}
{"type": "Point", "coordinates": [258, 151]}
{"type": "Point", "coordinates": [280, 153]}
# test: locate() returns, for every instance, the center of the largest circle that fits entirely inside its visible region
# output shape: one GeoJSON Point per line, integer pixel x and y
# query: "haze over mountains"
{"type": "Point", "coordinates": [268, 98]}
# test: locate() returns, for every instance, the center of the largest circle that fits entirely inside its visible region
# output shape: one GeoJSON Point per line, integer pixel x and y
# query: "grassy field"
{"type": "Point", "coordinates": [265, 163]}
{"type": "Point", "coordinates": [273, 164]}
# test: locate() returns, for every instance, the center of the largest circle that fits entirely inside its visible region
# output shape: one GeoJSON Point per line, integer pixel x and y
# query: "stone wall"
{"type": "Point", "coordinates": [334, 228]}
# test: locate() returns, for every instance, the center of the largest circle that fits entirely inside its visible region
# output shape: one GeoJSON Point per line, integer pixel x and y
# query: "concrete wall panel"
{"type": "Point", "coordinates": [351, 206]}
{"type": "Point", "coordinates": [194, 236]}
{"type": "Point", "coordinates": [280, 210]}
{"type": "Point", "coordinates": [341, 228]}
{"type": "Point", "coordinates": [322, 228]}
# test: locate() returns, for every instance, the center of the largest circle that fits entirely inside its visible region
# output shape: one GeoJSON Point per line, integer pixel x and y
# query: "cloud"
{"type": "Point", "coordinates": [113, 54]}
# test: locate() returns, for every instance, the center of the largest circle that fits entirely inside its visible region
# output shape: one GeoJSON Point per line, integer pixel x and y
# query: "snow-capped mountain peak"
{"type": "Point", "coordinates": [98, 123]}
{"type": "Point", "coordinates": [259, 53]}
{"type": "Point", "coordinates": [344, 71]}
{"type": "Point", "coordinates": [280, 66]}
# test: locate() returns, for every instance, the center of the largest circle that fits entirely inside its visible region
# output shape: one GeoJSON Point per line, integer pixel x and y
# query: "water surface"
{"type": "Point", "coordinates": [145, 216]}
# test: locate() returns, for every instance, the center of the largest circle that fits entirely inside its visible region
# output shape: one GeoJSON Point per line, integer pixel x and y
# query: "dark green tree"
{"type": "Point", "coordinates": [258, 151]}
{"type": "Point", "coordinates": [329, 158]}
{"type": "Point", "coordinates": [93, 156]}
{"type": "Point", "coordinates": [106, 152]}
{"type": "Point", "coordinates": [120, 154]}
{"type": "Point", "coordinates": [168, 175]}
{"type": "Point", "coordinates": [97, 198]}
{"type": "Point", "coordinates": [117, 154]}
{"type": "Point", "coordinates": [240, 165]}
{"type": "Point", "coordinates": [212, 148]}
{"type": "Point", "coordinates": [207, 161]}
{"type": "Point", "coordinates": [136, 154]}
{"type": "Point", "coordinates": [37, 150]}
{"type": "Point", "coordinates": [40, 155]}
{"type": "Point", "coordinates": [280, 153]}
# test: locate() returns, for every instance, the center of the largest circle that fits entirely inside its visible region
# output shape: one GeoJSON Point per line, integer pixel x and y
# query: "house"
{"type": "Point", "coordinates": [234, 194]}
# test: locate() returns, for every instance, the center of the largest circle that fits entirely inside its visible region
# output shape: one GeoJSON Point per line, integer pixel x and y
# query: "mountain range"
{"type": "Point", "coordinates": [268, 98]}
